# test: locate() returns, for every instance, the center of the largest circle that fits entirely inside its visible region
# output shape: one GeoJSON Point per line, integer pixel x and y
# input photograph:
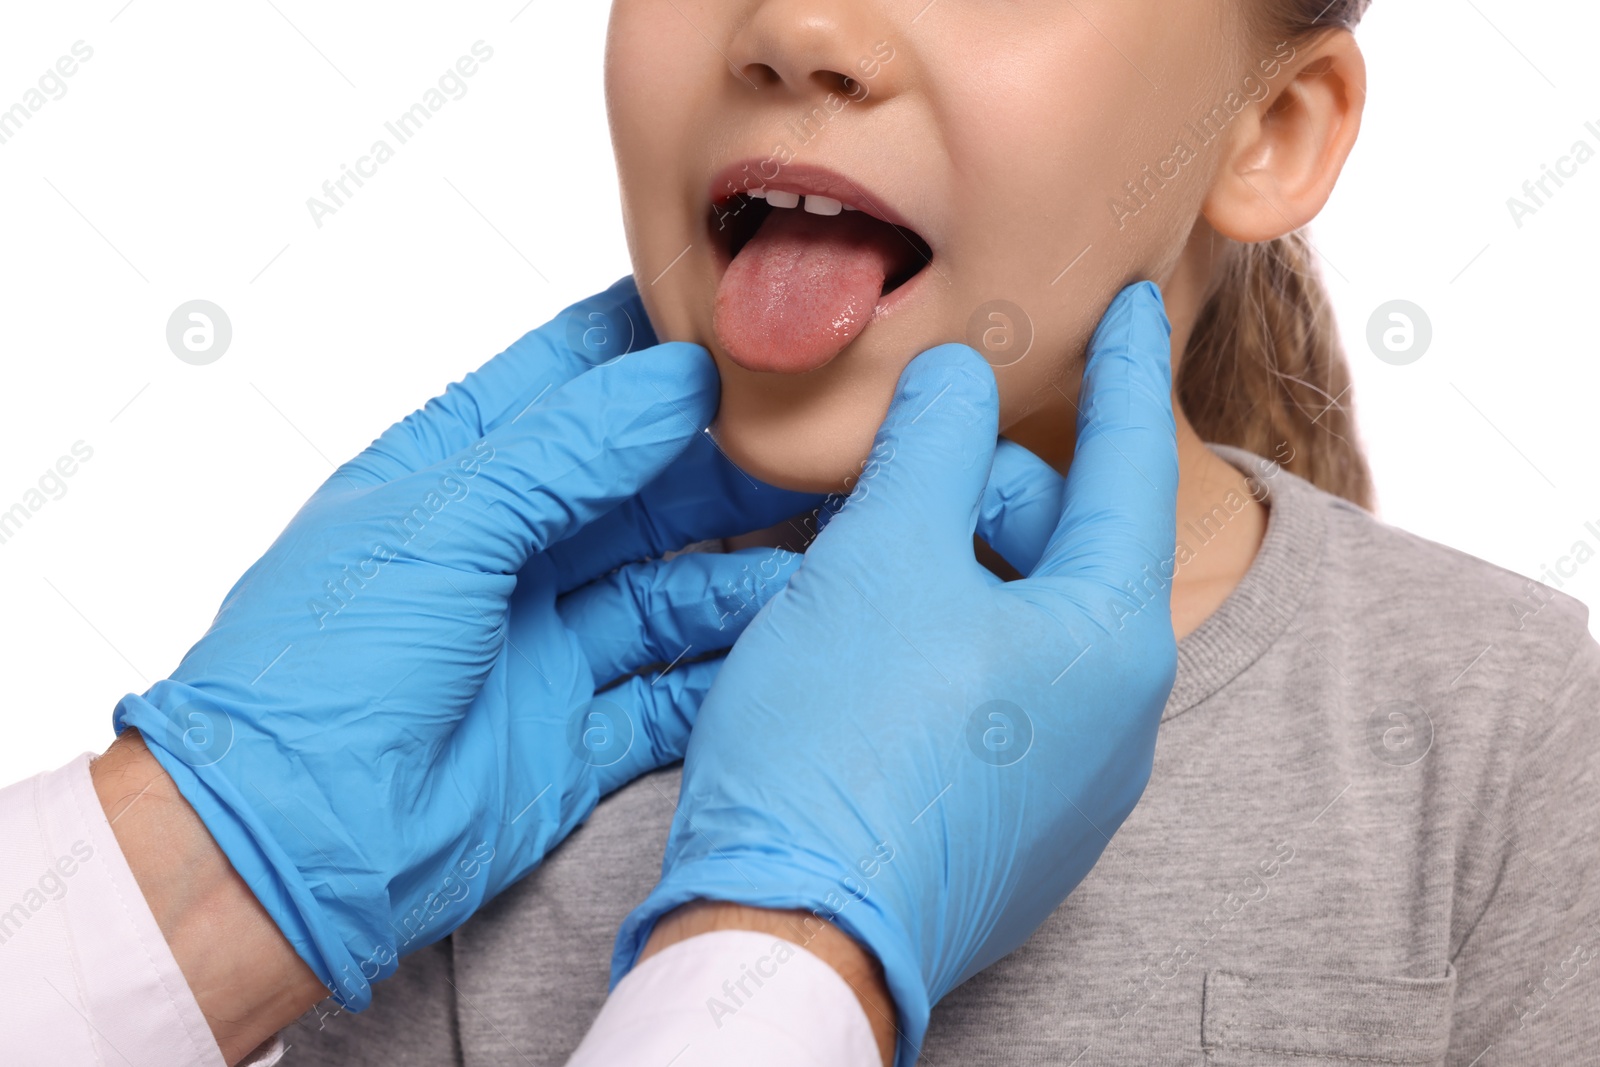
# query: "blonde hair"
{"type": "Point", "coordinates": [1264, 368]}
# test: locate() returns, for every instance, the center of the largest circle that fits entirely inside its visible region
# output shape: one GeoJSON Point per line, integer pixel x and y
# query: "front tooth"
{"type": "Point", "coordinates": [779, 199]}
{"type": "Point", "coordinates": [759, 194]}
{"type": "Point", "coordinates": [823, 205]}
{"type": "Point", "coordinates": [847, 207]}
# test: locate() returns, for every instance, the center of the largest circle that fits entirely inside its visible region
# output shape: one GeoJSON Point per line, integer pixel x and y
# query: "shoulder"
{"type": "Point", "coordinates": [1428, 598]}
{"type": "Point", "coordinates": [1416, 612]}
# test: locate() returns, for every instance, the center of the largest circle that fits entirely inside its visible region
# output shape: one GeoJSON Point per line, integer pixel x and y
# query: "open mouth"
{"type": "Point", "coordinates": [744, 214]}
{"type": "Point", "coordinates": [808, 262]}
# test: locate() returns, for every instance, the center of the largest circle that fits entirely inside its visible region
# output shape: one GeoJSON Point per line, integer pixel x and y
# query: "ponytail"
{"type": "Point", "coordinates": [1264, 369]}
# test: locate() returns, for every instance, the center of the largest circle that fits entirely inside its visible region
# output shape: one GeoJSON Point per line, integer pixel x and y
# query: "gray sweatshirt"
{"type": "Point", "coordinates": [1370, 838]}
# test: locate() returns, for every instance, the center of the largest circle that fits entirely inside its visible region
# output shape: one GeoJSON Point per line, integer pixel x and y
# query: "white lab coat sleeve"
{"type": "Point", "coordinates": [85, 975]}
{"type": "Point", "coordinates": [733, 997]}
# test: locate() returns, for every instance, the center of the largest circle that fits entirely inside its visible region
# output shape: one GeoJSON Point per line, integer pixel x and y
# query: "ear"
{"type": "Point", "coordinates": [1287, 151]}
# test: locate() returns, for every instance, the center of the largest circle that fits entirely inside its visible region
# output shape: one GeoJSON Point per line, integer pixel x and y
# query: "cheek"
{"type": "Point", "coordinates": [651, 87]}
{"type": "Point", "coordinates": [656, 81]}
{"type": "Point", "coordinates": [1058, 131]}
{"type": "Point", "coordinates": [630, 60]}
{"type": "Point", "coordinates": [1051, 232]}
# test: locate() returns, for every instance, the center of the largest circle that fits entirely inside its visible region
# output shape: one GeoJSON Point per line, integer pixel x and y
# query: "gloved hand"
{"type": "Point", "coordinates": [908, 747]}
{"type": "Point", "coordinates": [394, 713]}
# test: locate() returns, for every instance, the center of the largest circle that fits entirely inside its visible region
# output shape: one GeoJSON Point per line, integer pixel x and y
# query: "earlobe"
{"type": "Point", "coordinates": [1288, 151]}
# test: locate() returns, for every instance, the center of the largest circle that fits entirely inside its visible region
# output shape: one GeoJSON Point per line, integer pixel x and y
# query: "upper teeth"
{"type": "Point", "coordinates": [816, 205]}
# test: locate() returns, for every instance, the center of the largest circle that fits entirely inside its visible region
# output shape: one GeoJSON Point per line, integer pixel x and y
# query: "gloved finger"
{"type": "Point", "coordinates": [663, 611]}
{"type": "Point", "coordinates": [1021, 505]}
{"type": "Point", "coordinates": [658, 712]}
{"type": "Point", "coordinates": [1120, 512]}
{"type": "Point", "coordinates": [582, 336]}
{"type": "Point", "coordinates": [928, 466]}
{"type": "Point", "coordinates": [701, 496]}
{"type": "Point", "coordinates": [592, 443]}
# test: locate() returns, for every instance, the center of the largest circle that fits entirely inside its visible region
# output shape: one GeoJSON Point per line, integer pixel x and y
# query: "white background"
{"type": "Point", "coordinates": [178, 164]}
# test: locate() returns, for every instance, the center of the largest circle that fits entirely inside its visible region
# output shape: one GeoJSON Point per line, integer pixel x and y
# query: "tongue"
{"type": "Point", "coordinates": [803, 288]}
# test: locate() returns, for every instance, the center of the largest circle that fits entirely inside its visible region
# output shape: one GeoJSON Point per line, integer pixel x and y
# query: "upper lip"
{"type": "Point", "coordinates": [806, 179]}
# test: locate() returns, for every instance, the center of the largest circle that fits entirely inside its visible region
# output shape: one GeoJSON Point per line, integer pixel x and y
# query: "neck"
{"type": "Point", "coordinates": [1220, 522]}
{"type": "Point", "coordinates": [1220, 527]}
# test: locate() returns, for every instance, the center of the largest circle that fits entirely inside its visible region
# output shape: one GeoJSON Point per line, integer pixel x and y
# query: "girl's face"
{"type": "Point", "coordinates": [1036, 156]}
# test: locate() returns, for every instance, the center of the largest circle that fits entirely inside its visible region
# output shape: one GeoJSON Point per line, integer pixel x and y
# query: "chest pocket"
{"type": "Point", "coordinates": [1277, 1017]}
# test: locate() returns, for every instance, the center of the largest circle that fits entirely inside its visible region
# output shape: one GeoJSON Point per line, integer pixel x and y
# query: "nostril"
{"type": "Point", "coordinates": [759, 75]}
{"type": "Point", "coordinates": [831, 81]}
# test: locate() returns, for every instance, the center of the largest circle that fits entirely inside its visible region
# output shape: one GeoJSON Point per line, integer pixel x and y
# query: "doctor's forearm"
{"type": "Point", "coordinates": [247, 979]}
{"type": "Point", "coordinates": [833, 946]}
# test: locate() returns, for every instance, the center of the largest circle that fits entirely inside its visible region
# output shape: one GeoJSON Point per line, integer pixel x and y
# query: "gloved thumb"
{"type": "Point", "coordinates": [1120, 496]}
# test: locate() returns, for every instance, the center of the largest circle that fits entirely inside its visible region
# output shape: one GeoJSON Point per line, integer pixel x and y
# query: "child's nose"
{"type": "Point", "coordinates": [819, 46]}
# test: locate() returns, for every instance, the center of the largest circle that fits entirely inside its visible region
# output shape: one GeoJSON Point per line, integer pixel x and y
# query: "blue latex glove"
{"type": "Point", "coordinates": [393, 716]}
{"type": "Point", "coordinates": [906, 746]}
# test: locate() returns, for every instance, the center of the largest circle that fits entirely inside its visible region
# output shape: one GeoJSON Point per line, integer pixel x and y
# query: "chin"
{"type": "Point", "coordinates": [807, 445]}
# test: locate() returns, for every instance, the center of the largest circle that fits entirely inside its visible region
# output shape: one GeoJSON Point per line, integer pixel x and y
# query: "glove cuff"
{"type": "Point", "coordinates": [189, 743]}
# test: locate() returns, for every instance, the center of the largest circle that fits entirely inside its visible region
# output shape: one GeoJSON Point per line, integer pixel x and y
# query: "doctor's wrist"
{"type": "Point", "coordinates": [857, 966]}
{"type": "Point", "coordinates": [246, 977]}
